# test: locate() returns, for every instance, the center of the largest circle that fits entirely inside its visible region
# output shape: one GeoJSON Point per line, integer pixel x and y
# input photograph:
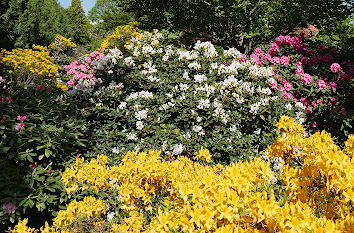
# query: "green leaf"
{"type": "Point", "coordinates": [6, 149]}
{"type": "Point", "coordinates": [47, 153]}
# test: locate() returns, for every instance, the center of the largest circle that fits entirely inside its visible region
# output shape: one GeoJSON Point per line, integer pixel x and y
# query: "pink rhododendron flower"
{"type": "Point", "coordinates": [321, 84]}
{"type": "Point", "coordinates": [304, 60]}
{"type": "Point", "coordinates": [21, 118]}
{"type": "Point", "coordinates": [335, 67]}
{"type": "Point", "coordinates": [309, 110]}
{"type": "Point", "coordinates": [267, 57]}
{"type": "Point", "coordinates": [314, 103]}
{"type": "Point", "coordinates": [284, 60]}
{"type": "Point", "coordinates": [274, 48]}
{"type": "Point", "coordinates": [275, 61]}
{"type": "Point", "coordinates": [33, 165]}
{"type": "Point", "coordinates": [286, 85]}
{"type": "Point", "coordinates": [274, 85]}
{"type": "Point", "coordinates": [255, 58]}
{"type": "Point", "coordinates": [9, 99]}
{"type": "Point", "coordinates": [287, 95]}
{"type": "Point", "coordinates": [243, 58]}
{"type": "Point", "coordinates": [332, 101]}
{"type": "Point", "coordinates": [305, 102]}
{"type": "Point", "coordinates": [321, 47]}
{"type": "Point", "coordinates": [306, 79]}
{"type": "Point", "coordinates": [319, 101]}
{"type": "Point", "coordinates": [258, 51]}
{"type": "Point", "coordinates": [344, 112]}
{"type": "Point", "coordinates": [20, 126]}
{"type": "Point", "coordinates": [9, 207]}
{"type": "Point", "coordinates": [314, 124]}
{"type": "Point", "coordinates": [333, 86]}
{"type": "Point", "coordinates": [78, 155]}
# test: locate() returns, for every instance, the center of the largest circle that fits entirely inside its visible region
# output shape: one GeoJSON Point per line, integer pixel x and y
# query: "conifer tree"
{"type": "Point", "coordinates": [81, 24]}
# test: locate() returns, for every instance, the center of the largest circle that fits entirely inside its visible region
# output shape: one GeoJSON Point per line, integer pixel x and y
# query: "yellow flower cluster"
{"type": "Point", "coordinates": [185, 196]}
{"type": "Point", "coordinates": [62, 43]}
{"type": "Point", "coordinates": [36, 60]}
{"type": "Point", "coordinates": [88, 211]}
{"type": "Point", "coordinates": [22, 227]}
{"type": "Point", "coordinates": [61, 85]}
{"type": "Point", "coordinates": [121, 37]}
{"type": "Point", "coordinates": [325, 181]}
{"type": "Point", "coordinates": [349, 146]}
{"type": "Point", "coordinates": [203, 155]}
{"type": "Point", "coordinates": [92, 175]}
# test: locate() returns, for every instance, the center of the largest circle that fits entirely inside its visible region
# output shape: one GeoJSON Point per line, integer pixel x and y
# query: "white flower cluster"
{"type": "Point", "coordinates": [149, 68]}
{"type": "Point", "coordinates": [142, 94]}
{"type": "Point", "coordinates": [232, 52]}
{"type": "Point", "coordinates": [203, 104]}
{"type": "Point", "coordinates": [277, 163]}
{"type": "Point", "coordinates": [219, 112]}
{"type": "Point", "coordinates": [208, 49]}
{"type": "Point", "coordinates": [199, 78]}
{"type": "Point", "coordinates": [185, 55]}
{"type": "Point", "coordinates": [256, 71]}
{"type": "Point", "coordinates": [140, 115]}
{"type": "Point", "coordinates": [84, 86]}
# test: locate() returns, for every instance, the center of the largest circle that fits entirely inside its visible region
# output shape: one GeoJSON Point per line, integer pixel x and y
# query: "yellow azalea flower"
{"type": "Point", "coordinates": [203, 155]}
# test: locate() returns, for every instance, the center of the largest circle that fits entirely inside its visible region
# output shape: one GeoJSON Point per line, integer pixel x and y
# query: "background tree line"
{"type": "Point", "coordinates": [27, 22]}
{"type": "Point", "coordinates": [237, 23]}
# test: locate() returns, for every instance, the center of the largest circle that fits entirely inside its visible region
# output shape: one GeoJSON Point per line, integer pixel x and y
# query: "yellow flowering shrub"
{"type": "Point", "coordinates": [86, 213]}
{"type": "Point", "coordinates": [153, 195]}
{"type": "Point", "coordinates": [325, 181]}
{"type": "Point", "coordinates": [349, 146]}
{"type": "Point", "coordinates": [62, 43]}
{"type": "Point", "coordinates": [30, 65]}
{"type": "Point", "coordinates": [121, 37]}
{"type": "Point", "coordinates": [22, 227]}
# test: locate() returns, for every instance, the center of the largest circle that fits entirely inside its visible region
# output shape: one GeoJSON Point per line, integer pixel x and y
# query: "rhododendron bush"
{"type": "Point", "coordinates": [152, 95]}
{"type": "Point", "coordinates": [315, 78]}
{"type": "Point", "coordinates": [145, 193]}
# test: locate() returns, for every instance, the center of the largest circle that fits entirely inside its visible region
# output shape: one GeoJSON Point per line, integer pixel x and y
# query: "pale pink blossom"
{"type": "Point", "coordinates": [21, 118]}
{"type": "Point", "coordinates": [321, 84]}
{"type": "Point", "coordinates": [20, 126]}
{"type": "Point", "coordinates": [9, 207]}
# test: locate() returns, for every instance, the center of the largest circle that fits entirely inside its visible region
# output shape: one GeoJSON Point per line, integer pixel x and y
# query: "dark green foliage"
{"type": "Point", "coordinates": [106, 16]}
{"type": "Point", "coordinates": [31, 159]}
{"type": "Point", "coordinates": [81, 24]}
{"type": "Point", "coordinates": [27, 22]}
{"type": "Point", "coordinates": [240, 23]}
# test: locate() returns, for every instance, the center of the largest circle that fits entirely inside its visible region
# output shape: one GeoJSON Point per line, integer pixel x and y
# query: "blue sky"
{"type": "Point", "coordinates": [86, 4]}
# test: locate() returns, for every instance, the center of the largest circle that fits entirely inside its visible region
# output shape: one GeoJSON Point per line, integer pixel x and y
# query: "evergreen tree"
{"type": "Point", "coordinates": [27, 22]}
{"type": "Point", "coordinates": [81, 24]}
